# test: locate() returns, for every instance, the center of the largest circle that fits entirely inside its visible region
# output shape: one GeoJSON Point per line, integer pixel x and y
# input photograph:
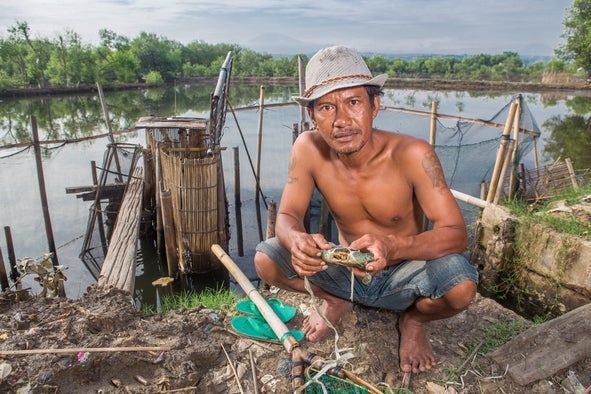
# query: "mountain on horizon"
{"type": "Point", "coordinates": [281, 45]}
{"type": "Point", "coordinates": [278, 45]}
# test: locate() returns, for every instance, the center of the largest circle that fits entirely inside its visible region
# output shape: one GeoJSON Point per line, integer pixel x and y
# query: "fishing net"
{"type": "Point", "coordinates": [333, 384]}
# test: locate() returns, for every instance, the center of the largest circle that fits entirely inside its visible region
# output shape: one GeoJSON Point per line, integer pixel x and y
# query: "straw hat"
{"type": "Point", "coordinates": [336, 68]}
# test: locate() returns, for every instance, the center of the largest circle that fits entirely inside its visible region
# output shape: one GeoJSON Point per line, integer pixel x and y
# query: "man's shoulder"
{"type": "Point", "coordinates": [404, 142]}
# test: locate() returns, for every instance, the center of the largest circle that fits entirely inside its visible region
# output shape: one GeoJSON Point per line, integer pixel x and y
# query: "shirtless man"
{"type": "Point", "coordinates": [378, 185]}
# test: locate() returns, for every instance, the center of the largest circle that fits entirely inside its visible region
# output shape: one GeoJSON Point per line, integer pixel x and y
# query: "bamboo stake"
{"type": "Point", "coordinates": [516, 124]}
{"type": "Point", "coordinates": [258, 172]}
{"type": "Point", "coordinates": [503, 173]}
{"type": "Point", "coordinates": [501, 153]}
{"type": "Point", "coordinates": [43, 193]}
{"type": "Point", "coordinates": [83, 349]}
{"type": "Point", "coordinates": [271, 217]}
{"type": "Point", "coordinates": [99, 87]}
{"type": "Point", "coordinates": [571, 173]}
{"type": "Point", "coordinates": [3, 277]}
{"type": "Point", "coordinates": [14, 274]}
{"type": "Point", "coordinates": [302, 86]}
{"type": "Point", "coordinates": [433, 129]}
{"type": "Point", "coordinates": [238, 202]}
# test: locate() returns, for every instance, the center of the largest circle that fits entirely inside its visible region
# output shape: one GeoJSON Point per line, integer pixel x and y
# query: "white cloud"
{"type": "Point", "coordinates": [443, 26]}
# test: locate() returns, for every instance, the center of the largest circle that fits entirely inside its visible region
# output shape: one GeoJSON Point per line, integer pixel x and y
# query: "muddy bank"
{"type": "Point", "coordinates": [580, 88]}
{"type": "Point", "coordinates": [197, 338]}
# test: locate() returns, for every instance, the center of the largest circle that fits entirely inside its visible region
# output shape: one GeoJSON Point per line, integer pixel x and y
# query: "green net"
{"type": "Point", "coordinates": [334, 384]}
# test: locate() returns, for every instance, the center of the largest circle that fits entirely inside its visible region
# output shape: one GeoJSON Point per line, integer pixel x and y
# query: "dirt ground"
{"type": "Point", "coordinates": [199, 338]}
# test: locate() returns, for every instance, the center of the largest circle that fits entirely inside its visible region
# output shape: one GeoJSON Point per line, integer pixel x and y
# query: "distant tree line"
{"type": "Point", "coordinates": [66, 61]}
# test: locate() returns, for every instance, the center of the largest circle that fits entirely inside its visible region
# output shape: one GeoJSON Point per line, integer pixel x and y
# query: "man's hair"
{"type": "Point", "coordinates": [371, 90]}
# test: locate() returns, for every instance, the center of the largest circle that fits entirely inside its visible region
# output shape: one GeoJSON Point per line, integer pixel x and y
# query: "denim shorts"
{"type": "Point", "coordinates": [395, 288]}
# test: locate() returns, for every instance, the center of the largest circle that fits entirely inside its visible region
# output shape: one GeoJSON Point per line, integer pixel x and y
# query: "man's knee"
{"type": "Point", "coordinates": [461, 295]}
{"type": "Point", "coordinates": [262, 263]}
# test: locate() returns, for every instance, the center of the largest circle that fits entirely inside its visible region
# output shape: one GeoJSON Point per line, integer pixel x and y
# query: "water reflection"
{"type": "Point", "coordinates": [564, 123]}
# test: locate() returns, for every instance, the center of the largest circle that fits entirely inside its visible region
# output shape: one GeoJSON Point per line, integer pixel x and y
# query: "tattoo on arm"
{"type": "Point", "coordinates": [433, 169]}
{"type": "Point", "coordinates": [290, 167]}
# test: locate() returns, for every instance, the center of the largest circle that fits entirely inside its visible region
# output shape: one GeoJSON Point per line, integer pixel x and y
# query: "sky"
{"type": "Point", "coordinates": [453, 27]}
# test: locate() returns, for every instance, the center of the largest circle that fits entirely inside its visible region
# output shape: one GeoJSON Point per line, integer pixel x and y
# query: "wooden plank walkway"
{"type": "Point", "coordinates": [119, 266]}
{"type": "Point", "coordinates": [545, 349]}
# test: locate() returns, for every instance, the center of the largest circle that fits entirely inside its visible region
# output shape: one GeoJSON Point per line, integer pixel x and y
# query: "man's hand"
{"type": "Point", "coordinates": [380, 246]}
{"type": "Point", "coordinates": [305, 253]}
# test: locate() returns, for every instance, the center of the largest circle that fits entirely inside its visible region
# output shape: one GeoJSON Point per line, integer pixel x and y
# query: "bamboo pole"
{"type": "Point", "coordinates": [433, 128]}
{"type": "Point", "coordinates": [470, 199]}
{"type": "Point", "coordinates": [463, 119]}
{"type": "Point", "coordinates": [271, 218]}
{"type": "Point", "coordinates": [43, 193]}
{"type": "Point", "coordinates": [14, 274]}
{"type": "Point", "coordinates": [84, 349]}
{"type": "Point", "coordinates": [571, 173]}
{"type": "Point", "coordinates": [99, 209]}
{"type": "Point", "coordinates": [503, 173]}
{"type": "Point", "coordinates": [3, 277]}
{"type": "Point", "coordinates": [278, 327]}
{"type": "Point", "coordinates": [501, 153]}
{"type": "Point", "coordinates": [516, 124]}
{"type": "Point", "coordinates": [258, 162]}
{"type": "Point", "coordinates": [238, 202]}
{"type": "Point", "coordinates": [99, 87]}
{"type": "Point", "coordinates": [302, 86]}
{"type": "Point", "coordinates": [290, 344]}
{"type": "Point", "coordinates": [172, 261]}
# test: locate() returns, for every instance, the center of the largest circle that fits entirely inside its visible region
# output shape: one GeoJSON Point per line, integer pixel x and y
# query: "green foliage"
{"type": "Point", "coordinates": [66, 61]}
{"type": "Point", "coordinates": [570, 137]}
{"type": "Point", "coordinates": [577, 33]}
{"type": "Point", "coordinates": [498, 334]}
{"type": "Point", "coordinates": [153, 78]}
{"type": "Point", "coordinates": [219, 299]}
{"type": "Point", "coordinates": [537, 212]}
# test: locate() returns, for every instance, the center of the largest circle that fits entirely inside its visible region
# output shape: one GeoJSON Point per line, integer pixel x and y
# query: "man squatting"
{"type": "Point", "coordinates": [378, 185]}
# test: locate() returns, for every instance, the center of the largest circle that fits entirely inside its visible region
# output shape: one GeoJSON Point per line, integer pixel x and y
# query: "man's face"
{"type": "Point", "coordinates": [344, 117]}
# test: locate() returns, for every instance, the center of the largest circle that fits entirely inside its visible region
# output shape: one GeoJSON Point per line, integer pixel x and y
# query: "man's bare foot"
{"type": "Point", "coordinates": [315, 328]}
{"type": "Point", "coordinates": [415, 352]}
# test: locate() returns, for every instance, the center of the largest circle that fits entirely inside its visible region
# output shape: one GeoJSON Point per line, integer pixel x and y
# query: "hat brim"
{"type": "Point", "coordinates": [378, 81]}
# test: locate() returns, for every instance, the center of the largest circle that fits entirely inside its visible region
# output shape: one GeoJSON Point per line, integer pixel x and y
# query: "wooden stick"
{"type": "Point", "coordinates": [406, 380]}
{"type": "Point", "coordinates": [83, 349]}
{"type": "Point", "coordinates": [361, 382]}
{"type": "Point", "coordinates": [254, 372]}
{"type": "Point", "coordinates": [233, 369]}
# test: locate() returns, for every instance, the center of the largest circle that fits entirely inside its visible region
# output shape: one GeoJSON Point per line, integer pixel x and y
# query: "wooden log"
{"type": "Point", "coordinates": [118, 269]}
{"type": "Point", "coordinates": [545, 349]}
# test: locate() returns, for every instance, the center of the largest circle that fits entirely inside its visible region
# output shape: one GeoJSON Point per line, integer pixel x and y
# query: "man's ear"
{"type": "Point", "coordinates": [376, 105]}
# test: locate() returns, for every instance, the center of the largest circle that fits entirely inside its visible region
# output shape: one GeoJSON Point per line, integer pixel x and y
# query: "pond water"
{"type": "Point", "coordinates": [68, 165]}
